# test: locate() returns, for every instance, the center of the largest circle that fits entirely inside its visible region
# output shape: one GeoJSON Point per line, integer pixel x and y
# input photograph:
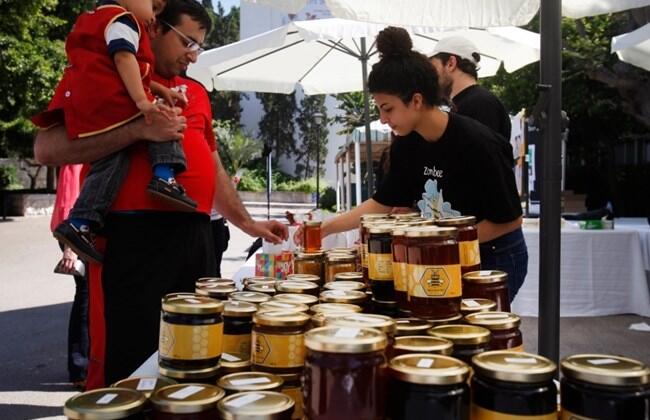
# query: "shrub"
{"type": "Point", "coordinates": [9, 178]}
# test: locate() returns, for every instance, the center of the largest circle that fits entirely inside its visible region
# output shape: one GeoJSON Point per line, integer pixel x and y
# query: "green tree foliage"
{"type": "Point", "coordinates": [351, 105]}
{"type": "Point", "coordinates": [313, 137]}
{"type": "Point", "coordinates": [235, 147]}
{"type": "Point", "coordinates": [276, 128]}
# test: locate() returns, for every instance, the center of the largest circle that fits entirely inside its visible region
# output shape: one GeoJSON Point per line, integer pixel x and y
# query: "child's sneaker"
{"type": "Point", "coordinates": [80, 240]}
{"type": "Point", "coordinates": [172, 193]}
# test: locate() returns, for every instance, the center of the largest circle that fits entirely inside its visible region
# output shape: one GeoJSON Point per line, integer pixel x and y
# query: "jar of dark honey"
{"type": "Point", "coordinates": [191, 332]}
{"type": "Point", "coordinates": [311, 236]}
{"type": "Point", "coordinates": [237, 328]}
{"type": "Point", "coordinates": [298, 286]}
{"type": "Point", "coordinates": [267, 289]}
{"type": "Point", "coordinates": [184, 376]}
{"type": "Point", "coordinates": [412, 326]}
{"type": "Point", "coordinates": [338, 263]}
{"type": "Point", "coordinates": [353, 297]}
{"type": "Point", "coordinates": [382, 323]}
{"type": "Point", "coordinates": [471, 306]}
{"type": "Point", "coordinates": [292, 388]}
{"type": "Point", "coordinates": [309, 263]}
{"type": "Point", "coordinates": [213, 282]}
{"type": "Point", "coordinates": [386, 308]}
{"type": "Point", "coordinates": [145, 384]}
{"type": "Point", "coordinates": [349, 276]}
{"type": "Point", "coordinates": [513, 385]}
{"type": "Point", "coordinates": [106, 404]}
{"type": "Point", "coordinates": [250, 297]}
{"type": "Point", "coordinates": [345, 285]}
{"type": "Point", "coordinates": [275, 305]}
{"type": "Point", "coordinates": [599, 386]}
{"type": "Point", "coordinates": [425, 344]}
{"type": "Point", "coordinates": [428, 385]}
{"type": "Point", "coordinates": [400, 274]}
{"type": "Point", "coordinates": [345, 374]}
{"type": "Point", "coordinates": [380, 262]}
{"type": "Point", "coordinates": [250, 381]}
{"type": "Point", "coordinates": [366, 221]}
{"type": "Point", "coordinates": [186, 402]}
{"type": "Point", "coordinates": [488, 284]}
{"type": "Point", "coordinates": [234, 363]}
{"type": "Point", "coordinates": [470, 254]}
{"type": "Point", "coordinates": [434, 289]}
{"type": "Point", "coordinates": [504, 328]}
{"type": "Point", "coordinates": [308, 300]}
{"type": "Point", "coordinates": [257, 405]}
{"type": "Point", "coordinates": [278, 341]}
{"type": "Point", "coordinates": [469, 340]}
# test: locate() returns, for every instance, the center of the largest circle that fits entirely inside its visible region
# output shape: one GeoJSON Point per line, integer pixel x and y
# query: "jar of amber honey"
{"type": "Point", "coordinates": [306, 277]}
{"type": "Point", "coordinates": [400, 274]}
{"type": "Point", "coordinates": [504, 328]}
{"type": "Point", "coordinates": [488, 284]}
{"type": "Point", "coordinates": [267, 289]}
{"type": "Point", "coordinates": [469, 340]}
{"type": "Point", "coordinates": [380, 262]}
{"type": "Point", "coordinates": [408, 344]}
{"type": "Point", "coordinates": [292, 388]}
{"type": "Point", "coordinates": [186, 402]}
{"type": "Point", "coordinates": [334, 307]}
{"type": "Point", "coordinates": [434, 282]}
{"type": "Point", "coordinates": [470, 255]}
{"type": "Point", "coordinates": [106, 404]}
{"type": "Point", "coordinates": [471, 306]}
{"type": "Point", "coordinates": [309, 263]}
{"type": "Point", "coordinates": [382, 323]}
{"type": "Point", "coordinates": [338, 263]}
{"type": "Point", "coordinates": [278, 341]}
{"type": "Point", "coordinates": [311, 239]}
{"type": "Point", "coordinates": [259, 280]}
{"type": "Point", "coordinates": [237, 328]}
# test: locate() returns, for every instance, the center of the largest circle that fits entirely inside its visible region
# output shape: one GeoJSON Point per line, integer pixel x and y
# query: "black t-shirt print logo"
{"type": "Point", "coordinates": [436, 173]}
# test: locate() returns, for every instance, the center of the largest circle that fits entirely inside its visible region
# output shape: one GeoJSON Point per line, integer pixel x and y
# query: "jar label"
{"type": "Point", "coordinates": [364, 255]}
{"type": "Point", "coordinates": [434, 281]}
{"type": "Point", "coordinates": [480, 413]}
{"type": "Point", "coordinates": [273, 350]}
{"type": "Point", "coordinates": [470, 253]}
{"type": "Point", "coordinates": [190, 342]}
{"type": "Point", "coordinates": [237, 344]}
{"type": "Point", "coordinates": [399, 276]}
{"type": "Point", "coordinates": [567, 415]}
{"type": "Point", "coordinates": [380, 267]}
{"type": "Point", "coordinates": [296, 394]}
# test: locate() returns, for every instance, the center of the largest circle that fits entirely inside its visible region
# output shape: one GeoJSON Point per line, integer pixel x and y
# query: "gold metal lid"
{"type": "Point", "coordinates": [401, 216]}
{"type": "Point", "coordinates": [486, 276]}
{"type": "Point", "coordinates": [216, 291]}
{"type": "Point", "coordinates": [266, 282]}
{"type": "Point", "coordinates": [280, 318]}
{"type": "Point", "coordinates": [444, 321]}
{"type": "Point", "coordinates": [383, 323]}
{"type": "Point", "coordinates": [239, 308]}
{"type": "Point", "coordinates": [382, 229]}
{"type": "Point", "coordinates": [334, 307]}
{"type": "Point", "coordinates": [385, 303]}
{"type": "Point", "coordinates": [349, 275]}
{"type": "Point", "coordinates": [605, 369]}
{"type": "Point", "coordinates": [177, 294]}
{"type": "Point", "coordinates": [296, 286]}
{"type": "Point", "coordinates": [188, 374]}
{"type": "Point", "coordinates": [331, 339]}
{"type": "Point", "coordinates": [431, 232]}
{"type": "Point", "coordinates": [251, 297]}
{"type": "Point", "coordinates": [308, 255]}
{"type": "Point", "coordinates": [370, 216]}
{"type": "Point", "coordinates": [320, 319]}
{"type": "Point", "coordinates": [290, 377]}
{"type": "Point", "coordinates": [145, 384]}
{"type": "Point", "coordinates": [411, 326]}
{"type": "Point", "coordinates": [250, 381]}
{"type": "Point", "coordinates": [422, 222]}
{"type": "Point", "coordinates": [233, 361]}
{"type": "Point", "coordinates": [342, 296]}
{"type": "Point", "coordinates": [473, 305]}
{"type": "Point", "coordinates": [258, 405]}
{"type": "Point", "coordinates": [514, 366]}
{"type": "Point", "coordinates": [428, 369]}
{"type": "Point", "coordinates": [268, 289]}
{"type": "Point", "coordinates": [303, 277]}
{"type": "Point", "coordinates": [186, 398]}
{"type": "Point", "coordinates": [494, 320]}
{"type": "Point", "coordinates": [195, 305]}
{"type": "Point", "coordinates": [457, 221]}
{"type": "Point", "coordinates": [308, 300]}
{"type": "Point", "coordinates": [400, 230]}
{"type": "Point", "coordinates": [345, 285]}
{"type": "Point", "coordinates": [213, 281]}
{"type": "Point", "coordinates": [424, 344]}
{"type": "Point", "coordinates": [341, 258]}
{"type": "Point", "coordinates": [312, 223]}
{"type": "Point", "coordinates": [104, 404]}
{"type": "Point", "coordinates": [259, 280]}
{"type": "Point", "coordinates": [341, 250]}
{"type": "Point", "coordinates": [461, 334]}
{"type": "Point", "coordinates": [275, 305]}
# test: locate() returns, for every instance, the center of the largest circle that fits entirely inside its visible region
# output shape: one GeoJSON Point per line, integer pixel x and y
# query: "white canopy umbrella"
{"type": "Point", "coordinates": [634, 47]}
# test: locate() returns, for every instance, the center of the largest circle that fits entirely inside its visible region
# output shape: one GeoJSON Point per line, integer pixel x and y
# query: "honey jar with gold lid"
{"type": "Point", "coordinates": [334, 307]}
{"type": "Point", "coordinates": [250, 381]}
{"type": "Point", "coordinates": [258, 405]}
{"type": "Point", "coordinates": [354, 297]}
{"type": "Point", "coordinates": [250, 297]}
{"type": "Point", "coordinates": [412, 326]}
{"type": "Point", "coordinates": [298, 286]}
{"type": "Point", "coordinates": [405, 216]}
{"type": "Point", "coordinates": [106, 404]}
{"type": "Point", "coordinates": [221, 292]}
{"type": "Point", "coordinates": [213, 282]}
{"type": "Point", "coordinates": [349, 276]}
{"type": "Point", "coordinates": [380, 261]}
{"type": "Point", "coordinates": [278, 341]}
{"type": "Point", "coordinates": [275, 305]}
{"type": "Point", "coordinates": [186, 401]}
{"type": "Point", "coordinates": [469, 340]}
{"type": "Point", "coordinates": [145, 384]}
{"type": "Point", "coordinates": [206, 375]}
{"type": "Point", "coordinates": [604, 387]}
{"type": "Point", "coordinates": [422, 344]}
{"type": "Point", "coordinates": [513, 385]}
{"type": "Point", "coordinates": [259, 280]}
{"type": "Point", "coordinates": [238, 325]}
{"type": "Point", "coordinates": [345, 285]}
{"type": "Point", "coordinates": [400, 274]}
{"type": "Point", "coordinates": [339, 263]}
{"type": "Point", "coordinates": [311, 263]}
{"type": "Point", "coordinates": [470, 254]}
{"type": "Point", "coordinates": [382, 323]}
{"type": "Point", "coordinates": [267, 289]}
{"type": "Point", "coordinates": [311, 236]}
{"type": "Point", "coordinates": [470, 306]}
{"type": "Point", "coordinates": [292, 387]}
{"type": "Point", "coordinates": [308, 300]}
{"type": "Point", "coordinates": [488, 284]}
{"type": "Point", "coordinates": [234, 363]}
{"type": "Point", "coordinates": [504, 327]}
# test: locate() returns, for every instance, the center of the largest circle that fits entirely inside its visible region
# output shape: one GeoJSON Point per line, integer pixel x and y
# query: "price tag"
{"type": "Point", "coordinates": [192, 300]}
{"type": "Point", "coordinates": [106, 399]}
{"type": "Point", "coordinates": [490, 315]}
{"type": "Point", "coordinates": [521, 360]}
{"type": "Point", "coordinates": [346, 332]}
{"type": "Point", "coordinates": [245, 400]}
{"type": "Point", "coordinates": [484, 273]}
{"type": "Point", "coordinates": [425, 363]}
{"type": "Point", "coordinates": [188, 391]}
{"type": "Point", "coordinates": [599, 362]}
{"type": "Point", "coordinates": [250, 381]}
{"type": "Point", "coordinates": [146, 384]}
{"type": "Point", "coordinates": [471, 303]}
{"type": "Point", "coordinates": [229, 357]}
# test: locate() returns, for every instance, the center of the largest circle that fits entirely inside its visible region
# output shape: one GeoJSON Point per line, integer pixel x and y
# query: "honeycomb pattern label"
{"type": "Point", "coordinates": [238, 344]}
{"type": "Point", "coordinates": [273, 350]}
{"type": "Point", "coordinates": [434, 281]}
{"type": "Point", "coordinates": [190, 342]}
{"type": "Point", "coordinates": [400, 275]}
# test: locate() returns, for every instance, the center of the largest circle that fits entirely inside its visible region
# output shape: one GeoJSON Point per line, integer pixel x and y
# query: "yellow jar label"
{"type": "Point", "coordinates": [296, 394]}
{"type": "Point", "coordinates": [237, 344]}
{"type": "Point", "coordinates": [470, 253]}
{"type": "Point", "coordinates": [279, 351]}
{"type": "Point", "coordinates": [400, 276]}
{"type": "Point", "coordinates": [434, 281]}
{"type": "Point", "coordinates": [380, 267]}
{"type": "Point", "coordinates": [190, 342]}
{"type": "Point", "coordinates": [364, 255]}
{"type": "Point", "coordinates": [567, 415]}
{"type": "Point", "coordinates": [480, 413]}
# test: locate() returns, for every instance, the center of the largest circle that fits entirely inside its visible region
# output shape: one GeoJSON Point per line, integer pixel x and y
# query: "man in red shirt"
{"type": "Point", "coordinates": [149, 250]}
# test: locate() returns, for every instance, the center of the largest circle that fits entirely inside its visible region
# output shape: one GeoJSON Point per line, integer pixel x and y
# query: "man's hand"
{"type": "Point", "coordinates": [271, 230]}
{"type": "Point", "coordinates": [68, 260]}
{"type": "Point", "coordinates": [165, 126]}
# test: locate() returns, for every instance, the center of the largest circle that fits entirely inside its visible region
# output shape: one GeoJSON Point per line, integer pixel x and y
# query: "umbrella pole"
{"type": "Point", "coordinates": [549, 237]}
{"type": "Point", "coordinates": [366, 117]}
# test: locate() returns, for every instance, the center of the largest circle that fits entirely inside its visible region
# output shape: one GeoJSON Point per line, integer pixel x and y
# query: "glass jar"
{"type": "Point", "coordinates": [380, 262]}
{"type": "Point", "coordinates": [186, 402]}
{"type": "Point", "coordinates": [472, 306]}
{"type": "Point", "coordinates": [382, 323]}
{"type": "Point", "coordinates": [258, 405]}
{"type": "Point", "coordinates": [145, 384]}
{"type": "Point", "coordinates": [456, 319]}
{"type": "Point", "coordinates": [250, 381]}
{"type": "Point", "coordinates": [106, 404]}
{"type": "Point", "coordinates": [488, 284]}
{"type": "Point", "coordinates": [345, 374]}
{"type": "Point", "coordinates": [349, 276]}
{"type": "Point", "coordinates": [306, 277]}
{"type": "Point", "coordinates": [513, 385]}
{"type": "Point", "coordinates": [470, 254]}
{"type": "Point", "coordinates": [292, 388]}
{"type": "Point", "coordinates": [185, 376]}
{"type": "Point", "coordinates": [387, 308]}
{"type": "Point", "coordinates": [298, 286]}
{"type": "Point", "coordinates": [604, 387]}
{"type": "Point", "coordinates": [191, 332]}
{"type": "Point", "coordinates": [267, 289]}
{"type": "Point", "coordinates": [338, 263]}
{"type": "Point", "coordinates": [278, 341]}
{"type": "Point", "coordinates": [250, 297]}
{"type": "Point", "coordinates": [259, 280]}
{"type": "Point", "coordinates": [431, 385]}
{"type": "Point", "coordinates": [424, 344]}
{"type": "Point", "coordinates": [346, 285]}
{"type": "Point", "coordinates": [213, 282]}
{"type": "Point", "coordinates": [400, 274]}
{"type": "Point", "coordinates": [311, 236]}
{"type": "Point", "coordinates": [353, 297]}
{"type": "Point", "coordinates": [504, 328]}
{"type": "Point", "coordinates": [405, 216]}
{"type": "Point", "coordinates": [309, 263]}
{"type": "Point", "coordinates": [220, 292]}
{"type": "Point", "coordinates": [434, 288]}
{"type": "Point", "coordinates": [274, 305]}
{"type": "Point", "coordinates": [469, 340]}
{"type": "Point", "coordinates": [308, 300]}
{"type": "Point", "coordinates": [366, 221]}
{"type": "Point", "coordinates": [237, 328]}
{"type": "Point", "coordinates": [234, 363]}
{"type": "Point", "coordinates": [334, 307]}
{"type": "Point", "coordinates": [412, 326]}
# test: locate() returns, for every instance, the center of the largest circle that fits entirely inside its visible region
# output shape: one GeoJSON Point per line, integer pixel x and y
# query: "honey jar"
{"type": "Point", "coordinates": [338, 263]}
{"type": "Point", "coordinates": [412, 326]}
{"type": "Point", "coordinates": [275, 305]}
{"type": "Point", "coordinates": [298, 286]}
{"type": "Point", "coordinates": [405, 216]}
{"type": "Point", "coordinates": [234, 363]}
{"type": "Point", "coordinates": [488, 284]}
{"type": "Point", "coordinates": [267, 289]}
{"type": "Point", "coordinates": [308, 300]}
{"type": "Point", "coordinates": [206, 375]}
{"type": "Point", "coordinates": [259, 280]}
{"type": "Point", "coordinates": [382, 323]}
{"type": "Point", "coordinates": [334, 307]}
{"type": "Point", "coordinates": [258, 405]}
{"type": "Point", "coordinates": [345, 285]}
{"type": "Point", "coordinates": [309, 263]}
{"type": "Point", "coordinates": [424, 344]}
{"type": "Point", "coordinates": [250, 381]}
{"type": "Point", "coordinates": [292, 388]}
{"type": "Point", "coordinates": [504, 329]}
{"type": "Point", "coordinates": [213, 282]}
{"type": "Point", "coordinates": [470, 254]}
{"type": "Point", "coordinates": [311, 238]}
{"type": "Point", "coordinates": [470, 306]}
{"type": "Point", "coordinates": [278, 341]}
{"type": "Point", "coordinates": [105, 404]}
{"type": "Point", "coordinates": [186, 402]}
{"type": "Point", "coordinates": [353, 297]}
{"type": "Point", "coordinates": [145, 384]}
{"type": "Point", "coordinates": [250, 297]}
{"type": "Point", "coordinates": [400, 274]}
{"type": "Point", "coordinates": [387, 308]}
{"type": "Point", "coordinates": [434, 282]}
{"type": "Point", "coordinates": [237, 328]}
{"type": "Point", "coordinates": [366, 221]}
{"type": "Point", "coordinates": [456, 319]}
{"type": "Point", "coordinates": [220, 292]}
{"type": "Point", "coordinates": [469, 340]}
{"type": "Point", "coordinates": [349, 276]}
{"type": "Point", "coordinates": [306, 277]}
{"type": "Point", "coordinates": [380, 262]}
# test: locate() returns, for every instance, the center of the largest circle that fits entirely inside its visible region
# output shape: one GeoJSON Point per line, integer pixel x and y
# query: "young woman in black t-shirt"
{"type": "Point", "coordinates": [443, 164]}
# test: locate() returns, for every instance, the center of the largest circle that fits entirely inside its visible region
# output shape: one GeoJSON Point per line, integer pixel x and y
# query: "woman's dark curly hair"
{"type": "Point", "coordinates": [401, 71]}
